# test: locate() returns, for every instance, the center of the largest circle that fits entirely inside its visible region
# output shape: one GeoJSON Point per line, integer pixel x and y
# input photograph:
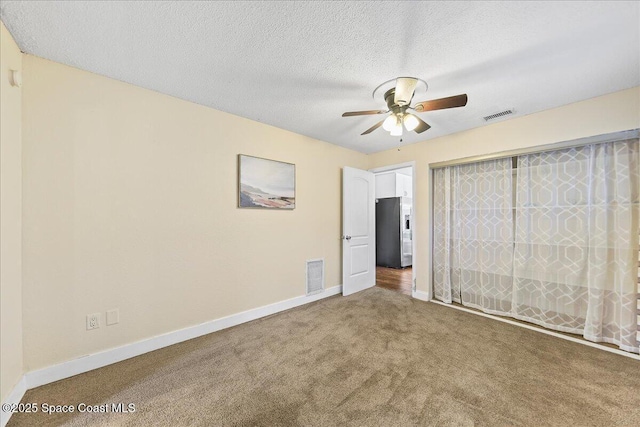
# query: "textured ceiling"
{"type": "Point", "coordinates": [300, 65]}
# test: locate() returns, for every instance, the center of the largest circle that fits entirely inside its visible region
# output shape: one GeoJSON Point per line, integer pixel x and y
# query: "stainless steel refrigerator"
{"type": "Point", "coordinates": [393, 232]}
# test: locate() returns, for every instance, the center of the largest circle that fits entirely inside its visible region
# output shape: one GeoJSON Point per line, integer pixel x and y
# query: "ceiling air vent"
{"type": "Point", "coordinates": [498, 115]}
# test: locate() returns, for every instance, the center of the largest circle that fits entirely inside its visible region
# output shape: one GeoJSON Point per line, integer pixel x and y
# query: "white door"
{"type": "Point", "coordinates": [358, 231]}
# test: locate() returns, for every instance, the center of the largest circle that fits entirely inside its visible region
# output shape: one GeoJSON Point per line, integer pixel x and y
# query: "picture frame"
{"type": "Point", "coordinates": [265, 183]}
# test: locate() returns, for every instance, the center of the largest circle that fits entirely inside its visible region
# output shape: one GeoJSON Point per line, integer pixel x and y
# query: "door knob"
{"type": "Point", "coordinates": [346, 237]}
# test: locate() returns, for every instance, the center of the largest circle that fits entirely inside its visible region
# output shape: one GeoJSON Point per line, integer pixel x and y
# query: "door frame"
{"type": "Point", "coordinates": [414, 259]}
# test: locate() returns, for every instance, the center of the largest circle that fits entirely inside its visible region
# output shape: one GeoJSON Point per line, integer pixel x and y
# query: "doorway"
{"type": "Point", "coordinates": [394, 228]}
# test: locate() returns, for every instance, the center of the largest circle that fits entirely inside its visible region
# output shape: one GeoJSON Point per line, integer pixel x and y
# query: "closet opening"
{"type": "Point", "coordinates": [547, 237]}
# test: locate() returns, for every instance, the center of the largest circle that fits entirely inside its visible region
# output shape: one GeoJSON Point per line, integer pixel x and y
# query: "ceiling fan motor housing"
{"type": "Point", "coordinates": [393, 106]}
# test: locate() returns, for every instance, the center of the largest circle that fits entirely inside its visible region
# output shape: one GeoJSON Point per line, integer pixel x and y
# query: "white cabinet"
{"type": "Point", "coordinates": [385, 185]}
{"type": "Point", "coordinates": [393, 184]}
{"type": "Point", "coordinates": [403, 185]}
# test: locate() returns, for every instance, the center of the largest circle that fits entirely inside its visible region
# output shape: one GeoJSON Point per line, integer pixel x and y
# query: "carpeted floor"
{"type": "Point", "coordinates": [376, 358]}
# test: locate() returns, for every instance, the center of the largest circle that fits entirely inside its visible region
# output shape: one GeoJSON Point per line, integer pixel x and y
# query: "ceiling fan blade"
{"type": "Point", "coordinates": [422, 126]}
{"type": "Point", "coordinates": [405, 87]}
{"type": "Point", "coordinates": [442, 103]}
{"type": "Point", "coordinates": [362, 113]}
{"type": "Point", "coordinates": [372, 128]}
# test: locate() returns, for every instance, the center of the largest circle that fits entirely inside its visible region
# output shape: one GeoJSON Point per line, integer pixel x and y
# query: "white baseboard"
{"type": "Point", "coordinates": [98, 360]}
{"type": "Point", "coordinates": [421, 295]}
{"type": "Point", "coordinates": [14, 398]}
{"type": "Point", "coordinates": [544, 331]}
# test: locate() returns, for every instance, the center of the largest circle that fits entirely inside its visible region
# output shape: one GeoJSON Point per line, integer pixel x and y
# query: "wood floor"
{"type": "Point", "coordinates": [394, 279]}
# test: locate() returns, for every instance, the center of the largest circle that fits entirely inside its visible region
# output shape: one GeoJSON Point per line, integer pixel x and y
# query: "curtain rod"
{"type": "Point", "coordinates": [598, 139]}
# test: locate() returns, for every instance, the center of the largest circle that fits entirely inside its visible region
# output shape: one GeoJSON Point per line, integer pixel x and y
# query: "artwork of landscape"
{"type": "Point", "coordinates": [266, 183]}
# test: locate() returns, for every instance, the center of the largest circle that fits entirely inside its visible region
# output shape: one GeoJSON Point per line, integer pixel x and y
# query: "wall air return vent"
{"type": "Point", "coordinates": [315, 276]}
{"type": "Point", "coordinates": [498, 115]}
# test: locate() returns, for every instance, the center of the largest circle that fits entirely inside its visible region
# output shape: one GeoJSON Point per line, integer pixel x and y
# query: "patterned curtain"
{"type": "Point", "coordinates": [564, 257]}
{"type": "Point", "coordinates": [443, 288]}
{"type": "Point", "coordinates": [576, 244]}
{"type": "Point", "coordinates": [473, 235]}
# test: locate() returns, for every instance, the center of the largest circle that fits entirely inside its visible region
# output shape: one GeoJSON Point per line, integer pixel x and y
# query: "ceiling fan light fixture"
{"type": "Point", "coordinates": [410, 122]}
{"type": "Point", "coordinates": [397, 129]}
{"type": "Point", "coordinates": [390, 122]}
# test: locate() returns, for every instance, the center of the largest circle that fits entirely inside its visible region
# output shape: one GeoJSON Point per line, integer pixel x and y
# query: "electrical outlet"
{"type": "Point", "coordinates": [93, 321]}
{"type": "Point", "coordinates": [113, 317]}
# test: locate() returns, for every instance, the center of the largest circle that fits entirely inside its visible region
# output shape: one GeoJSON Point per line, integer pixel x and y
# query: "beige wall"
{"type": "Point", "coordinates": [130, 203]}
{"type": "Point", "coordinates": [610, 113]}
{"type": "Point", "coordinates": [10, 217]}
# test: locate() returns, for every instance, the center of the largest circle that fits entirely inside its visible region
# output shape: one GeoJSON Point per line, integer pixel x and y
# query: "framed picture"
{"type": "Point", "coordinates": [266, 184]}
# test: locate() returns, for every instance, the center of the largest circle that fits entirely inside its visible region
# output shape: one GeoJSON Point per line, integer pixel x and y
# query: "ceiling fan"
{"type": "Point", "coordinates": [398, 101]}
